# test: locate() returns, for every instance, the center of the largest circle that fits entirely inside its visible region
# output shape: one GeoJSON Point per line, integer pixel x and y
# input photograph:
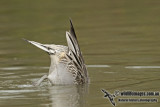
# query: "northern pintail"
{"type": "Point", "coordinates": [67, 63]}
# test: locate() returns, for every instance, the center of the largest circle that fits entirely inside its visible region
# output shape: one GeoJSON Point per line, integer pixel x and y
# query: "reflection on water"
{"type": "Point", "coordinates": [16, 87]}
{"type": "Point", "coordinates": [45, 95]}
{"type": "Point", "coordinates": [68, 96]}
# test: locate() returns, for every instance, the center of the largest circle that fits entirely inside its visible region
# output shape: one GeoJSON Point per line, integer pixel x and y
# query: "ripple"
{"type": "Point", "coordinates": [10, 97]}
{"type": "Point", "coordinates": [142, 67]}
{"type": "Point", "coordinates": [17, 91]}
{"type": "Point", "coordinates": [25, 86]}
{"type": "Point", "coordinates": [109, 72]}
{"type": "Point", "coordinates": [12, 68]}
{"type": "Point", "coordinates": [7, 74]}
{"type": "Point", "coordinates": [98, 66]}
{"type": "Point", "coordinates": [21, 68]}
{"type": "Point", "coordinates": [29, 68]}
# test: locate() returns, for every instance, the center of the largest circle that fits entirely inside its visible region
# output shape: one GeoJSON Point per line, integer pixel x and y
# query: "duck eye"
{"type": "Point", "coordinates": [52, 51]}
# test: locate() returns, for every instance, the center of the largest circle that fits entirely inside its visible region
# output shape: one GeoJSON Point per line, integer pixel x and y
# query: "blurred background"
{"type": "Point", "coordinates": [119, 40]}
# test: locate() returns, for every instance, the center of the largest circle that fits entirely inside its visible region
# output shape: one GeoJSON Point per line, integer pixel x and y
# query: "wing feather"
{"type": "Point", "coordinates": [74, 50]}
{"type": "Point", "coordinates": [70, 42]}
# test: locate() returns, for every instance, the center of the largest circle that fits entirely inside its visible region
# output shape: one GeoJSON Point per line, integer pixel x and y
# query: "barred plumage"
{"type": "Point", "coordinates": [67, 63]}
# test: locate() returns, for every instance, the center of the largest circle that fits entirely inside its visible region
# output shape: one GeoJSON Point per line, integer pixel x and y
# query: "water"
{"type": "Point", "coordinates": [119, 41]}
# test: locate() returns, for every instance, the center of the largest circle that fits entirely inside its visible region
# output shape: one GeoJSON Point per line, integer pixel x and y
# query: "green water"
{"type": "Point", "coordinates": [121, 36]}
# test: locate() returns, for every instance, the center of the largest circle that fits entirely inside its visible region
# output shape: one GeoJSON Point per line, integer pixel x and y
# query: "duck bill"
{"type": "Point", "coordinates": [41, 46]}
